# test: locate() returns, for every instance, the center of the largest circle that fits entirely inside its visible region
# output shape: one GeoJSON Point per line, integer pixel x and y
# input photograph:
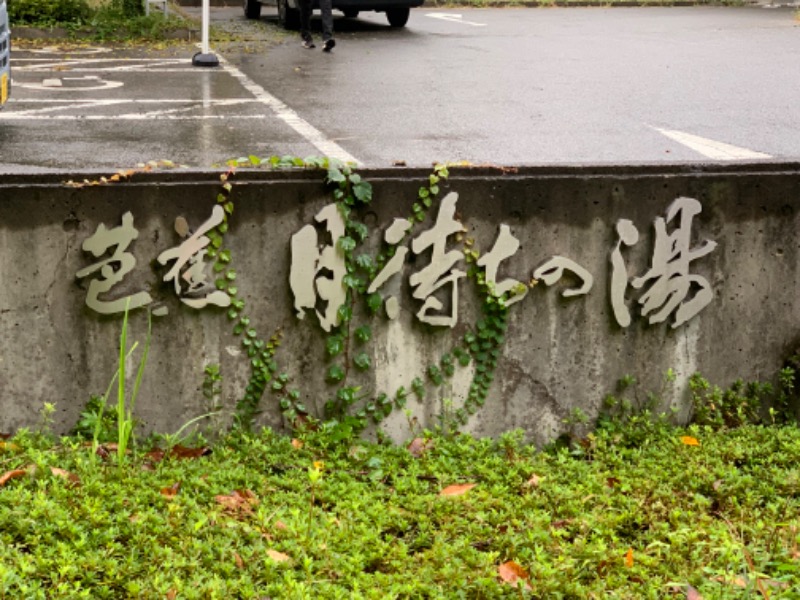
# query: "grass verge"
{"type": "Point", "coordinates": [683, 511]}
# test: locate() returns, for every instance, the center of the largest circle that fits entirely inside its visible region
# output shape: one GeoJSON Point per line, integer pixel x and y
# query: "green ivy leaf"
{"type": "Point", "coordinates": [363, 333]}
{"type": "Point", "coordinates": [334, 345]}
{"type": "Point", "coordinates": [347, 395]}
{"type": "Point", "coordinates": [335, 374]}
{"type": "Point", "coordinates": [346, 244]}
{"type": "Point", "coordinates": [335, 175]}
{"type": "Point", "coordinates": [364, 261]}
{"type": "Point", "coordinates": [360, 230]}
{"type": "Point", "coordinates": [362, 361]}
{"type": "Point", "coordinates": [363, 191]}
{"type": "Point", "coordinates": [345, 313]}
{"type": "Point", "coordinates": [374, 302]}
{"type": "Point", "coordinates": [352, 282]}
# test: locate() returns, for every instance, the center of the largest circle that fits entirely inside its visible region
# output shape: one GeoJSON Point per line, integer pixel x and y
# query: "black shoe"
{"type": "Point", "coordinates": [309, 44]}
{"type": "Point", "coordinates": [328, 45]}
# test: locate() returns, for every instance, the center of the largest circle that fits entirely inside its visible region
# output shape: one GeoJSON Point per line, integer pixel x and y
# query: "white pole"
{"type": "Point", "coordinates": [205, 58]}
{"type": "Point", "coordinates": [206, 17]}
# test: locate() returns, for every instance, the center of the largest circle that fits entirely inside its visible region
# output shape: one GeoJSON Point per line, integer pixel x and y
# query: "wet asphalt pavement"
{"type": "Point", "coordinates": [504, 86]}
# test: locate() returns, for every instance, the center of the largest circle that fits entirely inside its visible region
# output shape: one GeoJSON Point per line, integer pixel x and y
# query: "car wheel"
{"type": "Point", "coordinates": [398, 16]}
{"type": "Point", "coordinates": [252, 9]}
{"type": "Point", "coordinates": [350, 13]}
{"type": "Point", "coordinates": [289, 17]}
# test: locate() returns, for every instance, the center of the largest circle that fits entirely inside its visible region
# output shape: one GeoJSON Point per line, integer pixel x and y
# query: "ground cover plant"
{"type": "Point", "coordinates": [685, 513]}
{"type": "Point", "coordinates": [99, 20]}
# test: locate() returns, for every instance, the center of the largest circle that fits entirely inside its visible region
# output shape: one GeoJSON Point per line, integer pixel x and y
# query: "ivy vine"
{"type": "Point", "coordinates": [350, 409]}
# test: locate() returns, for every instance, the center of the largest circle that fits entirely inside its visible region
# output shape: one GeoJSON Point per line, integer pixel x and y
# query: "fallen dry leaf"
{"type": "Point", "coordinates": [457, 490]}
{"type": "Point", "coordinates": [238, 560]}
{"type": "Point", "coordinates": [184, 452]}
{"type": "Point", "coordinates": [297, 443]}
{"type": "Point", "coordinates": [171, 491]}
{"type": "Point", "coordinates": [70, 477]}
{"type": "Point", "coordinates": [693, 594]}
{"type": "Point", "coordinates": [281, 525]}
{"type": "Point", "coordinates": [5, 436]}
{"type": "Point", "coordinates": [612, 482]}
{"type": "Point", "coordinates": [688, 440]}
{"type": "Point", "coordinates": [240, 502]}
{"type": "Point", "coordinates": [418, 446]}
{"type": "Point", "coordinates": [155, 456]}
{"type": "Point", "coordinates": [278, 556]}
{"type": "Point", "coordinates": [534, 481]}
{"type": "Point", "coordinates": [513, 574]}
{"type": "Point", "coordinates": [735, 581]}
{"type": "Point", "coordinates": [629, 558]}
{"type": "Point", "coordinates": [8, 446]}
{"type": "Point", "coordinates": [172, 594]}
{"type": "Point", "coordinates": [6, 477]}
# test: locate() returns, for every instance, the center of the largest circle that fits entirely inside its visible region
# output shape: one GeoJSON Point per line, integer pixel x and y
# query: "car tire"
{"type": "Point", "coordinates": [289, 17]}
{"type": "Point", "coordinates": [398, 16]}
{"type": "Point", "coordinates": [252, 9]}
{"type": "Point", "coordinates": [350, 13]}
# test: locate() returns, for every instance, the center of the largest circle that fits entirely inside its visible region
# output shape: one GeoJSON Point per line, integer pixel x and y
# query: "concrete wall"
{"type": "Point", "coordinates": [560, 353]}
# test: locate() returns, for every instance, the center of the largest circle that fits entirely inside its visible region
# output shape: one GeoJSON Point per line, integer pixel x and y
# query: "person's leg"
{"type": "Point", "coordinates": [326, 8]}
{"type": "Point", "coordinates": [305, 23]}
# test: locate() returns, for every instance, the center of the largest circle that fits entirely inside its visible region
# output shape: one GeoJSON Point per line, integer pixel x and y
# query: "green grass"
{"type": "Point", "coordinates": [604, 519]}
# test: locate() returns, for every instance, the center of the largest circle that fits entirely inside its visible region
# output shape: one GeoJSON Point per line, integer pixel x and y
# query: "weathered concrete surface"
{"type": "Point", "coordinates": [560, 353]}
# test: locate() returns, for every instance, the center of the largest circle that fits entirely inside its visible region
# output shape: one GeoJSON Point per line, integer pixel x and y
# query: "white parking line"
{"type": "Point", "coordinates": [311, 134]}
{"type": "Point", "coordinates": [711, 148]}
{"type": "Point", "coordinates": [146, 65]}
{"type": "Point", "coordinates": [34, 113]}
{"type": "Point", "coordinates": [308, 132]}
{"type": "Point", "coordinates": [453, 18]}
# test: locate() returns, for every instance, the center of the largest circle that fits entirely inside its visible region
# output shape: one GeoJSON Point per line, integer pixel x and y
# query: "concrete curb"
{"type": "Point", "coordinates": [62, 33]}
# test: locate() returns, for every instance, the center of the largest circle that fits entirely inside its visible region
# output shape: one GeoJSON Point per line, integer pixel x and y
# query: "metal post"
{"type": "Point", "coordinates": [205, 58]}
